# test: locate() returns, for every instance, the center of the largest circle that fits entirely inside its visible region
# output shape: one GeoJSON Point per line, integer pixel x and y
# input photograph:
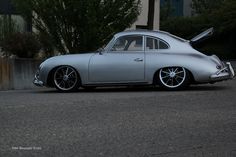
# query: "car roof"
{"type": "Point", "coordinates": [156, 33]}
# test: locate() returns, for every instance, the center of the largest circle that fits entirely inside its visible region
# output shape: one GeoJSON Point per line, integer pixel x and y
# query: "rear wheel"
{"type": "Point", "coordinates": [66, 79]}
{"type": "Point", "coordinates": [173, 78]}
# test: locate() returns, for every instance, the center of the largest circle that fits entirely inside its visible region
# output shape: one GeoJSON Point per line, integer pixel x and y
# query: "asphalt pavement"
{"type": "Point", "coordinates": [120, 122]}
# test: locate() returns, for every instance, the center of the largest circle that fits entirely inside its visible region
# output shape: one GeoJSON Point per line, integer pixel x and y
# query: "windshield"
{"type": "Point", "coordinates": [109, 44]}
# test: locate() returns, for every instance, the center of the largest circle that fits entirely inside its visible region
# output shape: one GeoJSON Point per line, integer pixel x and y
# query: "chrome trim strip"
{"type": "Point", "coordinates": [220, 71]}
{"type": "Point", "coordinates": [230, 69]}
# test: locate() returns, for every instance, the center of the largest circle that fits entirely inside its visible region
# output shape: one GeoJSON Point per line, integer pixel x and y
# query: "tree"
{"type": "Point", "coordinates": [79, 25]}
{"type": "Point", "coordinates": [166, 10]}
{"type": "Point", "coordinates": [206, 6]}
{"type": "Point", "coordinates": [23, 45]}
{"type": "Point", "coordinates": [220, 14]}
{"type": "Point", "coordinates": [7, 26]}
{"type": "Point", "coordinates": [224, 17]}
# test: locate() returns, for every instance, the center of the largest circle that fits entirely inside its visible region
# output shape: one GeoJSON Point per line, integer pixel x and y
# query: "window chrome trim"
{"type": "Point", "coordinates": [143, 42]}
{"type": "Point", "coordinates": [147, 36]}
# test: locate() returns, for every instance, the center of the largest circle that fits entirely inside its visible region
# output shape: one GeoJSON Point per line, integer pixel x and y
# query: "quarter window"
{"type": "Point", "coordinates": [153, 44]}
{"type": "Point", "coordinates": [163, 45]}
{"type": "Point", "coordinates": [128, 43]}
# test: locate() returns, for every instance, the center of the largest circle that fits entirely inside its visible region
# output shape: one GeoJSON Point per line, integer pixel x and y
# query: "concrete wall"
{"type": "Point", "coordinates": [5, 74]}
{"type": "Point", "coordinates": [17, 73]}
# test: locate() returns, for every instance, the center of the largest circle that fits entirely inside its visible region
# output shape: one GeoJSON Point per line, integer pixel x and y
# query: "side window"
{"type": "Point", "coordinates": [163, 45]}
{"type": "Point", "coordinates": [128, 43]}
{"type": "Point", "coordinates": [153, 44]}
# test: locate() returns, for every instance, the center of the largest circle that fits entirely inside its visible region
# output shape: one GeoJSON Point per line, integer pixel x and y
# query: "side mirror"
{"type": "Point", "coordinates": [100, 50]}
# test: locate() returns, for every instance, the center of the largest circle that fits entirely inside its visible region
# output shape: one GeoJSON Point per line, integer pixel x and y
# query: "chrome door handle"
{"type": "Point", "coordinates": [138, 60]}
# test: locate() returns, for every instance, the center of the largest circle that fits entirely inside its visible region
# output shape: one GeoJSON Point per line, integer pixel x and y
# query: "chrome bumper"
{"type": "Point", "coordinates": [38, 82]}
{"type": "Point", "coordinates": [224, 74]}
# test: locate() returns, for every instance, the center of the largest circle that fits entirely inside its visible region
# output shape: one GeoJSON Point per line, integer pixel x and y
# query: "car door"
{"type": "Point", "coordinates": [123, 63]}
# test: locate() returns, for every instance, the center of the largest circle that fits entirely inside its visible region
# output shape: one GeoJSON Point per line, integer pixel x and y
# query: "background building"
{"type": "Point", "coordinates": [142, 22]}
{"type": "Point", "coordinates": [179, 7]}
{"type": "Point", "coordinates": [7, 10]}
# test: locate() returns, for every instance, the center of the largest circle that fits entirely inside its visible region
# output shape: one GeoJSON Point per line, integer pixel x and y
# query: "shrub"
{"type": "Point", "coordinates": [220, 14]}
{"type": "Point", "coordinates": [186, 27]}
{"type": "Point", "coordinates": [7, 27]}
{"type": "Point", "coordinates": [46, 44]}
{"type": "Point", "coordinates": [222, 43]}
{"type": "Point", "coordinates": [23, 45]}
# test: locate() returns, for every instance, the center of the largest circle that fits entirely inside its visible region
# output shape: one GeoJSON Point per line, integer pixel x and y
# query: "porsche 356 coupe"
{"type": "Point", "coordinates": [136, 58]}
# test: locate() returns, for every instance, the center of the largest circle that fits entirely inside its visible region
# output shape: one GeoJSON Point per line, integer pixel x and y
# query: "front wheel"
{"type": "Point", "coordinates": [173, 78]}
{"type": "Point", "coordinates": [66, 79]}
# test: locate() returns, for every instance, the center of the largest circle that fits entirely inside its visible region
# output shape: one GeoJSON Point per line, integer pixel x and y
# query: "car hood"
{"type": "Point", "coordinates": [65, 59]}
{"type": "Point", "coordinates": [202, 36]}
{"type": "Point", "coordinates": [70, 56]}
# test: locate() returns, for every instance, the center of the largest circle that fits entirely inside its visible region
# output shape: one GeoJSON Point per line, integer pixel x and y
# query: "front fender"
{"type": "Point", "coordinates": [79, 62]}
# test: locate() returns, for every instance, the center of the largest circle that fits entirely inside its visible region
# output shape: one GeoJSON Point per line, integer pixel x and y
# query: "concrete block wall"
{"type": "Point", "coordinates": [17, 73]}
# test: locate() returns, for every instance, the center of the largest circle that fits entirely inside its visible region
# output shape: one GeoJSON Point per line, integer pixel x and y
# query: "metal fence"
{"type": "Point", "coordinates": [17, 73]}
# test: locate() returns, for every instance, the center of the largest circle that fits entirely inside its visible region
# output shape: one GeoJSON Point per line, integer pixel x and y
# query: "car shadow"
{"type": "Point", "coordinates": [138, 89]}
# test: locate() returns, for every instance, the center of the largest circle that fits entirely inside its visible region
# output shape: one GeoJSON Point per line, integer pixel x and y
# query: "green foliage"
{"type": "Point", "coordinates": [23, 45]}
{"type": "Point", "coordinates": [210, 14]}
{"type": "Point", "coordinates": [7, 27]}
{"type": "Point", "coordinates": [225, 17]}
{"type": "Point", "coordinates": [186, 27]}
{"type": "Point", "coordinates": [47, 46]}
{"type": "Point", "coordinates": [206, 6]}
{"type": "Point", "coordinates": [222, 13]}
{"type": "Point", "coordinates": [166, 10]}
{"type": "Point", "coordinates": [80, 25]}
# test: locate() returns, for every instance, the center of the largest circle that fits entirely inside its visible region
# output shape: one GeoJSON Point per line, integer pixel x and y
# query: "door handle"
{"type": "Point", "coordinates": [138, 60]}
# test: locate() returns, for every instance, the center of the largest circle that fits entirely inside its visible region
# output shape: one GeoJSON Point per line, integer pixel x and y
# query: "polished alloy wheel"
{"type": "Point", "coordinates": [65, 78]}
{"type": "Point", "coordinates": [172, 77]}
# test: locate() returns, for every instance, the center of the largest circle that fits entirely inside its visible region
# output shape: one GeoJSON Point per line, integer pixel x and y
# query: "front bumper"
{"type": "Point", "coordinates": [36, 80]}
{"type": "Point", "coordinates": [224, 74]}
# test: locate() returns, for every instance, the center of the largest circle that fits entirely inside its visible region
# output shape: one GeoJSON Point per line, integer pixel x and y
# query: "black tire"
{"type": "Point", "coordinates": [173, 78]}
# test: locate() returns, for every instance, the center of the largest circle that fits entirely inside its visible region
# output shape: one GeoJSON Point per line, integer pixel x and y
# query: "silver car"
{"type": "Point", "coordinates": [136, 58]}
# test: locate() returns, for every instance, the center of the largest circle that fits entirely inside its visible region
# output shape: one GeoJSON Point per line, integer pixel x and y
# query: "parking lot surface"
{"type": "Point", "coordinates": [120, 122]}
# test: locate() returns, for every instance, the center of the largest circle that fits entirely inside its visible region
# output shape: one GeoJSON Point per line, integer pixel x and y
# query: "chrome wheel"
{"type": "Point", "coordinates": [65, 78]}
{"type": "Point", "coordinates": [172, 77]}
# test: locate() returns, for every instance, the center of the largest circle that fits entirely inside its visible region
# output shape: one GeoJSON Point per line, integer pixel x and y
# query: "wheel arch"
{"type": "Point", "coordinates": [155, 76]}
